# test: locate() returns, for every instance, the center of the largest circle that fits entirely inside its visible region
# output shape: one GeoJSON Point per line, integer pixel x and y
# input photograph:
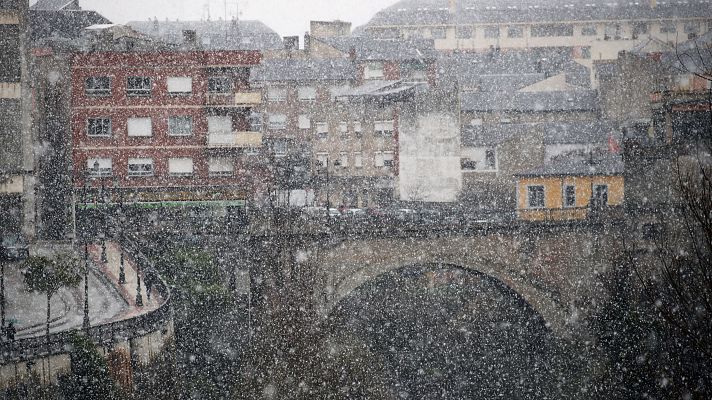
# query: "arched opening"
{"type": "Point", "coordinates": [440, 330]}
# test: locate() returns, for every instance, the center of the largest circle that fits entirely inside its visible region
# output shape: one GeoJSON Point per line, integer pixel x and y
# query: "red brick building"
{"type": "Point", "coordinates": [166, 125]}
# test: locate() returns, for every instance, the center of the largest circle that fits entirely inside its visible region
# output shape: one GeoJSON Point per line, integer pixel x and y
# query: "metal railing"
{"type": "Point", "coordinates": [103, 334]}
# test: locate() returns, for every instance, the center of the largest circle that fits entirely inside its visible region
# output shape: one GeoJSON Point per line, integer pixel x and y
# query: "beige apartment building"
{"type": "Point", "coordinates": [592, 29]}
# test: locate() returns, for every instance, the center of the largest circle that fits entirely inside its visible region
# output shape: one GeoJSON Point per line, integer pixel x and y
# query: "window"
{"type": "Point", "coordinates": [138, 86]}
{"type": "Point", "coordinates": [357, 128]}
{"type": "Point", "coordinates": [99, 127]}
{"type": "Point", "coordinates": [373, 70]}
{"type": "Point", "coordinates": [304, 122]}
{"type": "Point", "coordinates": [358, 160]}
{"type": "Point", "coordinates": [322, 159]}
{"type": "Point", "coordinates": [182, 166]}
{"type": "Point", "coordinates": [600, 196]}
{"type": "Point", "coordinates": [277, 121]}
{"type": "Point", "coordinates": [586, 52]}
{"type": "Point", "coordinates": [640, 28]}
{"type": "Point", "coordinates": [255, 121]}
{"type": "Point", "coordinates": [344, 159]}
{"type": "Point", "coordinates": [692, 29]}
{"type": "Point", "coordinates": [219, 124]}
{"type": "Point", "coordinates": [378, 159]}
{"type": "Point", "coordinates": [98, 86]}
{"type": "Point", "coordinates": [306, 93]}
{"type": "Point", "coordinates": [569, 196]}
{"type": "Point", "coordinates": [99, 167]}
{"type": "Point", "coordinates": [280, 148]}
{"type": "Point", "coordinates": [490, 159]}
{"type": "Point", "coordinates": [491, 32]}
{"type": "Point", "coordinates": [277, 94]}
{"type": "Point", "coordinates": [344, 128]}
{"type": "Point", "coordinates": [589, 30]}
{"type": "Point", "coordinates": [515, 32]}
{"type": "Point", "coordinates": [383, 128]}
{"type": "Point", "coordinates": [668, 27]}
{"type": "Point", "coordinates": [221, 166]}
{"type": "Point", "coordinates": [219, 84]}
{"type": "Point", "coordinates": [140, 167]}
{"type": "Point", "coordinates": [464, 32]}
{"type": "Point", "coordinates": [682, 82]}
{"type": "Point", "coordinates": [438, 33]}
{"type": "Point", "coordinates": [552, 30]}
{"type": "Point", "coordinates": [180, 126]}
{"type": "Point", "coordinates": [535, 196]}
{"type": "Point", "coordinates": [322, 129]}
{"type": "Point", "coordinates": [387, 159]}
{"type": "Point", "coordinates": [612, 31]}
{"type": "Point", "coordinates": [179, 84]}
{"type": "Point", "coordinates": [139, 127]}
{"type": "Point", "coordinates": [467, 164]}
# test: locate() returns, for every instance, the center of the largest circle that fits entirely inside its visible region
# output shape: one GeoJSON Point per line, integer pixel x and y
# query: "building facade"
{"type": "Point", "coordinates": [166, 125]}
{"type": "Point", "coordinates": [17, 154]}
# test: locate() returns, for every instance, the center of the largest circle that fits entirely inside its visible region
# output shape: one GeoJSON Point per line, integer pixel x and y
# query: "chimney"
{"type": "Point", "coordinates": [307, 42]}
{"type": "Point", "coordinates": [189, 38]}
{"type": "Point", "coordinates": [653, 3]}
{"type": "Point", "coordinates": [453, 6]}
{"type": "Point", "coordinates": [291, 42]}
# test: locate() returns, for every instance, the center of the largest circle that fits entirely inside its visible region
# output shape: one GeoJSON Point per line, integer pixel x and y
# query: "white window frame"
{"type": "Point", "coordinates": [176, 169]}
{"type": "Point", "coordinates": [276, 93]}
{"type": "Point", "coordinates": [358, 159]}
{"type": "Point", "coordinates": [344, 159]}
{"type": "Point", "coordinates": [389, 159]}
{"type": "Point", "coordinates": [145, 89]}
{"type": "Point", "coordinates": [221, 166]}
{"type": "Point", "coordinates": [103, 119]}
{"type": "Point", "coordinates": [358, 127]}
{"type": "Point", "coordinates": [92, 89]}
{"type": "Point", "coordinates": [140, 161]}
{"type": "Point", "coordinates": [485, 164]}
{"type": "Point", "coordinates": [344, 127]}
{"type": "Point", "coordinates": [304, 121]}
{"type": "Point", "coordinates": [378, 159]}
{"type": "Point", "coordinates": [177, 85]}
{"type": "Point", "coordinates": [373, 70]}
{"type": "Point", "coordinates": [277, 121]}
{"type": "Point", "coordinates": [384, 127]}
{"type": "Point", "coordinates": [188, 118]}
{"type": "Point", "coordinates": [322, 129]}
{"type": "Point", "coordinates": [529, 198]}
{"type": "Point", "coordinates": [322, 159]}
{"type": "Point", "coordinates": [564, 195]}
{"type": "Point", "coordinates": [306, 94]}
{"type": "Point", "coordinates": [105, 167]}
{"type": "Point", "coordinates": [134, 121]}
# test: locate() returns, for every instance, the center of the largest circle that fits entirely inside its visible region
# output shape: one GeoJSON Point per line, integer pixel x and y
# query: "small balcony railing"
{"type": "Point", "coordinates": [235, 139]}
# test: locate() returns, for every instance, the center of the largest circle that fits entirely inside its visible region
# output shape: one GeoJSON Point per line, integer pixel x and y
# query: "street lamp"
{"type": "Point", "coordinates": [139, 297]}
{"type": "Point", "coordinates": [122, 221]}
{"type": "Point", "coordinates": [102, 197]}
{"type": "Point", "coordinates": [85, 238]}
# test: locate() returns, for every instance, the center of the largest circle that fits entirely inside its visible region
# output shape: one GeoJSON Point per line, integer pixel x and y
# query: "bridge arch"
{"type": "Point", "coordinates": [347, 265]}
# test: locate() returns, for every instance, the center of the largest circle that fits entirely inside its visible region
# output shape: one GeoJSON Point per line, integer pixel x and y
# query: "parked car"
{"type": "Point", "coordinates": [14, 247]}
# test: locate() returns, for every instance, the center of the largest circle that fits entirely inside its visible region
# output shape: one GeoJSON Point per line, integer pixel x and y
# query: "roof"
{"type": "Point", "coordinates": [583, 132]}
{"type": "Point", "coordinates": [570, 100]}
{"type": "Point", "coordinates": [436, 12]}
{"type": "Point", "coordinates": [383, 89]}
{"type": "Point", "coordinates": [214, 35]}
{"type": "Point", "coordinates": [596, 165]}
{"type": "Point", "coordinates": [55, 5]}
{"type": "Point", "coordinates": [692, 56]}
{"type": "Point", "coordinates": [509, 70]}
{"type": "Point", "coordinates": [280, 70]}
{"type": "Point", "coordinates": [373, 49]}
{"type": "Point", "coordinates": [62, 24]}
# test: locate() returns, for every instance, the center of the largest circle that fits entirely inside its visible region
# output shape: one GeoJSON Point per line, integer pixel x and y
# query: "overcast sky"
{"type": "Point", "coordinates": [287, 17]}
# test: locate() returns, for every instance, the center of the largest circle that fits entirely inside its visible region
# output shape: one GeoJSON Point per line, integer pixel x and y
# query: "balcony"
{"type": "Point", "coordinates": [240, 99]}
{"type": "Point", "coordinates": [235, 140]}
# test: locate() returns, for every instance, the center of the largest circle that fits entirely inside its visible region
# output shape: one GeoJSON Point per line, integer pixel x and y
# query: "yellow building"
{"type": "Point", "coordinates": [570, 189]}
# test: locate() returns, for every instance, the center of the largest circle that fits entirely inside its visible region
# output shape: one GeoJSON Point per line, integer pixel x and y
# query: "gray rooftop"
{"type": "Point", "coordinates": [434, 12]}
{"type": "Point", "coordinates": [55, 5]}
{"type": "Point", "coordinates": [372, 49]}
{"type": "Point", "coordinates": [575, 100]}
{"type": "Point", "coordinates": [214, 35]}
{"type": "Point", "coordinates": [583, 132]}
{"type": "Point", "coordinates": [283, 70]}
{"type": "Point", "coordinates": [595, 165]}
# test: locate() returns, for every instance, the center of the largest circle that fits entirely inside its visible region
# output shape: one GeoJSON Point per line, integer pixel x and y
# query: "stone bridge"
{"type": "Point", "coordinates": [553, 267]}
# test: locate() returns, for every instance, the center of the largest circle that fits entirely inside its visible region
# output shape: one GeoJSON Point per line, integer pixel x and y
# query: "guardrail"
{"type": "Point", "coordinates": [56, 343]}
